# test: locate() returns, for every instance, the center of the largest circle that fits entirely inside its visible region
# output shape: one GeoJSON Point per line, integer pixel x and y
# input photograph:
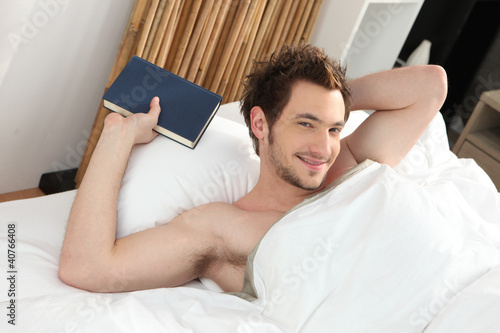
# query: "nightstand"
{"type": "Point", "coordinates": [480, 138]}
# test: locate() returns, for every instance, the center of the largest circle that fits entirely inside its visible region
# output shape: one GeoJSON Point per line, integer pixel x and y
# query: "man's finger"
{"type": "Point", "coordinates": [155, 107]}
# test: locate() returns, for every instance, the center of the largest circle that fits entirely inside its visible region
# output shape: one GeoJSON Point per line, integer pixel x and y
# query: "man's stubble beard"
{"type": "Point", "coordinates": [287, 173]}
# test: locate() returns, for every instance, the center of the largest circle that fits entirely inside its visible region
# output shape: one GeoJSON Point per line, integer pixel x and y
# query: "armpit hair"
{"type": "Point", "coordinates": [214, 258]}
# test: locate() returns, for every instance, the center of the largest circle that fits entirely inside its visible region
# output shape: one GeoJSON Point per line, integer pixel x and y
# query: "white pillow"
{"type": "Point", "coordinates": [164, 179]}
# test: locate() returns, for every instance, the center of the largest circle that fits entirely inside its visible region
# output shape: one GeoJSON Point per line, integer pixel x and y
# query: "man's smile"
{"type": "Point", "coordinates": [313, 163]}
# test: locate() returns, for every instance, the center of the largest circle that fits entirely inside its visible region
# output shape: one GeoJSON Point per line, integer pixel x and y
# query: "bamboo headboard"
{"type": "Point", "coordinates": [209, 42]}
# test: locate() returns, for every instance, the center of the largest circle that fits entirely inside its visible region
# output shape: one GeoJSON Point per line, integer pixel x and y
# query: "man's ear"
{"type": "Point", "coordinates": [258, 122]}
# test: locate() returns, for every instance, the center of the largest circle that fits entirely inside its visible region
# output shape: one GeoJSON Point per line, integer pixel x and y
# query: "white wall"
{"type": "Point", "coordinates": [334, 25]}
{"type": "Point", "coordinates": [367, 35]}
{"type": "Point", "coordinates": [55, 58]}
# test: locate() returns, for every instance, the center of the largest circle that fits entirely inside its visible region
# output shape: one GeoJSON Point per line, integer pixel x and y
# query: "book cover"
{"type": "Point", "coordinates": [186, 108]}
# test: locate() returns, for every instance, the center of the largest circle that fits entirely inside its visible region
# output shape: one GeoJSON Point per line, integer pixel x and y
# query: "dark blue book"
{"type": "Point", "coordinates": [186, 108]}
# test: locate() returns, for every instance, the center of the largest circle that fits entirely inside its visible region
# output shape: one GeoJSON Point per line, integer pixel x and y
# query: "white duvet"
{"type": "Point", "coordinates": [414, 249]}
{"type": "Point", "coordinates": [377, 253]}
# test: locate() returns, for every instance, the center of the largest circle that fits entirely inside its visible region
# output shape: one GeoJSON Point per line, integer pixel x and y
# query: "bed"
{"type": "Point", "coordinates": [410, 249]}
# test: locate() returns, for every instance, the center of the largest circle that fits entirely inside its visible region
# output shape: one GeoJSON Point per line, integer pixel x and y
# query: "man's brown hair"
{"type": "Point", "coordinates": [270, 83]}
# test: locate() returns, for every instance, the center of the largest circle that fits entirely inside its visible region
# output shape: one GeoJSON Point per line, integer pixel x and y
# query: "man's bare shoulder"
{"type": "Point", "coordinates": [223, 235]}
{"type": "Point", "coordinates": [231, 220]}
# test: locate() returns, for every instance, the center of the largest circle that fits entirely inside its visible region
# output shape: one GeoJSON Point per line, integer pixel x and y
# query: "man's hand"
{"type": "Point", "coordinates": [139, 126]}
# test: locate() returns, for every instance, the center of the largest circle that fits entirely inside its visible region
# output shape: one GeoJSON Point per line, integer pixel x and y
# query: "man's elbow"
{"type": "Point", "coordinates": [80, 277]}
{"type": "Point", "coordinates": [73, 276]}
{"type": "Point", "coordinates": [437, 83]}
{"type": "Point", "coordinates": [67, 276]}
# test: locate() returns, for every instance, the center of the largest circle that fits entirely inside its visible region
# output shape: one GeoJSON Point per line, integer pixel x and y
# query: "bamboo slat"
{"type": "Point", "coordinates": [198, 30]}
{"type": "Point", "coordinates": [160, 33]}
{"type": "Point", "coordinates": [174, 63]}
{"type": "Point", "coordinates": [271, 28]}
{"type": "Point", "coordinates": [296, 21]}
{"type": "Point", "coordinates": [219, 49]}
{"type": "Point", "coordinates": [265, 26]}
{"type": "Point", "coordinates": [212, 42]}
{"type": "Point", "coordinates": [202, 46]}
{"type": "Point", "coordinates": [288, 23]}
{"type": "Point", "coordinates": [169, 34]}
{"type": "Point", "coordinates": [147, 27]}
{"type": "Point", "coordinates": [230, 44]}
{"type": "Point", "coordinates": [240, 72]}
{"type": "Point", "coordinates": [232, 84]}
{"type": "Point", "coordinates": [260, 35]}
{"type": "Point", "coordinates": [312, 20]}
{"type": "Point", "coordinates": [303, 22]}
{"type": "Point", "coordinates": [154, 28]}
{"type": "Point", "coordinates": [243, 34]}
{"type": "Point", "coordinates": [185, 12]}
{"type": "Point", "coordinates": [280, 24]}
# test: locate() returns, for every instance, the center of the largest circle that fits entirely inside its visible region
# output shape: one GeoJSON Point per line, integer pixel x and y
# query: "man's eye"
{"type": "Point", "coordinates": [305, 124]}
{"type": "Point", "coordinates": [335, 130]}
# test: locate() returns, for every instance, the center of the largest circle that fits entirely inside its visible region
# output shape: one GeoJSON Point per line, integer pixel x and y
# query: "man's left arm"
{"type": "Point", "coordinates": [406, 100]}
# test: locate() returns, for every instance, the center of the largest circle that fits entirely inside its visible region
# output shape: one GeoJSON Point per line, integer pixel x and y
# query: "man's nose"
{"type": "Point", "coordinates": [320, 144]}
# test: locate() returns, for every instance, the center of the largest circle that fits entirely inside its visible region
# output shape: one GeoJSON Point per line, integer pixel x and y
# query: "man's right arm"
{"type": "Point", "coordinates": [92, 258]}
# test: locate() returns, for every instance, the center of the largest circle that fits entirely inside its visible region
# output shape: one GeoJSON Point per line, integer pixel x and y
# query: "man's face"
{"type": "Point", "coordinates": [305, 140]}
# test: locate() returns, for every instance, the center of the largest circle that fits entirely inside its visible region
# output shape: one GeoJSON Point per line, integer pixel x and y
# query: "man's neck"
{"type": "Point", "coordinates": [271, 193]}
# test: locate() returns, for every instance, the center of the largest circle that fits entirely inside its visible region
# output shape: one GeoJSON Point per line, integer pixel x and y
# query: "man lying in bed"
{"type": "Point", "coordinates": [295, 106]}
